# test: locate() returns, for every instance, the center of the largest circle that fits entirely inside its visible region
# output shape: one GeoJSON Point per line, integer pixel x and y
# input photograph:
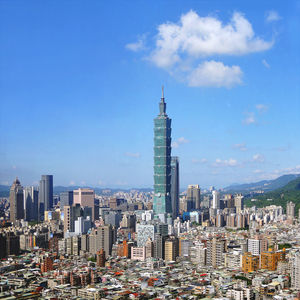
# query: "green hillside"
{"type": "Point", "coordinates": [289, 192]}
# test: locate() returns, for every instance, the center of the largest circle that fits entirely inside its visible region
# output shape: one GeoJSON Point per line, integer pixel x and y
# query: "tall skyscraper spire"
{"type": "Point", "coordinates": [162, 104]}
{"type": "Point", "coordinates": [162, 161]}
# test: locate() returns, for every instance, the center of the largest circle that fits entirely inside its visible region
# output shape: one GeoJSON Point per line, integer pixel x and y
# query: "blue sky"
{"type": "Point", "coordinates": [81, 82]}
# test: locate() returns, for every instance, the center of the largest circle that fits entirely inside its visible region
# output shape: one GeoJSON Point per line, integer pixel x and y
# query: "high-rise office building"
{"type": "Point", "coordinates": [239, 203]}
{"type": "Point", "coordinates": [193, 196]}
{"type": "Point", "coordinates": [16, 201]}
{"type": "Point", "coordinates": [159, 246]}
{"type": "Point", "coordinates": [86, 197]}
{"type": "Point", "coordinates": [45, 194]}
{"type": "Point", "coordinates": [290, 209]}
{"type": "Point", "coordinates": [216, 200]}
{"type": "Point", "coordinates": [102, 237]}
{"type": "Point", "coordinates": [162, 161]}
{"type": "Point", "coordinates": [31, 202]}
{"type": "Point", "coordinates": [171, 248]}
{"type": "Point", "coordinates": [66, 199]}
{"type": "Point", "coordinates": [71, 214]}
{"type": "Point", "coordinates": [175, 186]}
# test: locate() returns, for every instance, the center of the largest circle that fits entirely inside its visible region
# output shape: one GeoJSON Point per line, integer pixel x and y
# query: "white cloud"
{"type": "Point", "coordinates": [197, 36]}
{"type": "Point", "coordinates": [72, 182]}
{"type": "Point", "coordinates": [272, 16]}
{"type": "Point", "coordinates": [265, 63]}
{"type": "Point", "coordinates": [199, 161]}
{"type": "Point", "coordinates": [250, 119]}
{"type": "Point", "coordinates": [262, 107]}
{"type": "Point", "coordinates": [179, 142]}
{"type": "Point", "coordinates": [241, 147]}
{"type": "Point", "coordinates": [279, 172]}
{"type": "Point", "coordinates": [131, 154]}
{"type": "Point", "coordinates": [213, 73]}
{"type": "Point", "coordinates": [258, 158]}
{"type": "Point", "coordinates": [137, 46]}
{"type": "Point", "coordinates": [226, 162]}
{"type": "Point", "coordinates": [257, 171]}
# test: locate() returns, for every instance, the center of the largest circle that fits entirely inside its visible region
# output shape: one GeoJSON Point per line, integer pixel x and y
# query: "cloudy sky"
{"type": "Point", "coordinates": [81, 82]}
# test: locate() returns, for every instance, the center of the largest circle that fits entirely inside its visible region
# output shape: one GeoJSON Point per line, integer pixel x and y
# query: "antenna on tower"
{"type": "Point", "coordinates": [162, 92]}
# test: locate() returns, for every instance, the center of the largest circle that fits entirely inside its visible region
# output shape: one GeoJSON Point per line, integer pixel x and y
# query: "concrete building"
{"type": "Point", "coordinates": [239, 203]}
{"type": "Point", "coordinates": [86, 198]}
{"type": "Point", "coordinates": [250, 262]}
{"type": "Point", "coordinates": [102, 237]}
{"type": "Point", "coordinates": [290, 210]}
{"type": "Point", "coordinates": [193, 196]}
{"type": "Point", "coordinates": [16, 200]}
{"type": "Point", "coordinates": [138, 253]}
{"type": "Point", "coordinates": [254, 246]}
{"type": "Point", "coordinates": [295, 271]}
{"type": "Point", "coordinates": [66, 199]}
{"type": "Point", "coordinates": [184, 247]}
{"type": "Point", "coordinates": [82, 225]}
{"type": "Point", "coordinates": [144, 231]}
{"type": "Point", "coordinates": [269, 259]}
{"type": "Point", "coordinates": [216, 200]}
{"type": "Point", "coordinates": [159, 246]}
{"type": "Point", "coordinates": [215, 252]}
{"type": "Point", "coordinates": [198, 254]}
{"type": "Point", "coordinates": [71, 213]}
{"type": "Point", "coordinates": [113, 218]}
{"type": "Point", "coordinates": [101, 258]}
{"type": "Point", "coordinates": [171, 248]}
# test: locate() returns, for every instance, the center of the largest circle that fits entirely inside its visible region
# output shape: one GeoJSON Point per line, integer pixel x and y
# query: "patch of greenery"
{"type": "Point", "coordinates": [290, 192]}
{"type": "Point", "coordinates": [93, 259]}
{"type": "Point", "coordinates": [249, 281]}
{"type": "Point", "coordinates": [285, 245]}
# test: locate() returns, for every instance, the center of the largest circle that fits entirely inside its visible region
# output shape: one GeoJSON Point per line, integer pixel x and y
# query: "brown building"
{"type": "Point", "coordinates": [269, 259]}
{"type": "Point", "coordinates": [250, 262]}
{"type": "Point", "coordinates": [47, 264]}
{"type": "Point", "coordinates": [101, 258]}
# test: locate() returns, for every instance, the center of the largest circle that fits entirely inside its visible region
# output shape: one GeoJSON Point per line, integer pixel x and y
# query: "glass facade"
{"type": "Point", "coordinates": [162, 161]}
{"type": "Point", "coordinates": [175, 186]}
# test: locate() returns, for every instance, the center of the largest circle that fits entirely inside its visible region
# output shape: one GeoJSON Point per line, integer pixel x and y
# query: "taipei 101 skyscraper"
{"type": "Point", "coordinates": [162, 162]}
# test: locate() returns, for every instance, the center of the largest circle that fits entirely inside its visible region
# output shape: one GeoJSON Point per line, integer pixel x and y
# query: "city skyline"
{"type": "Point", "coordinates": [67, 118]}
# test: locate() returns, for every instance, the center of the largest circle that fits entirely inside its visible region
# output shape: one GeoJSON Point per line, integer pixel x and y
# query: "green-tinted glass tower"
{"type": "Point", "coordinates": [162, 161]}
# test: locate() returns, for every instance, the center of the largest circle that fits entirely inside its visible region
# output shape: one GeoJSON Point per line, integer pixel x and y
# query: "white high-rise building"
{"type": "Point", "coordinates": [144, 231]}
{"type": "Point", "coordinates": [216, 200]}
{"type": "Point", "coordinates": [295, 271]}
{"type": "Point", "coordinates": [290, 209]}
{"type": "Point", "coordinates": [254, 246]}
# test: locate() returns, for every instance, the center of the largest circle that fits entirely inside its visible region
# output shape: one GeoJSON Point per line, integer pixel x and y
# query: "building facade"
{"type": "Point", "coordinates": [175, 186]}
{"type": "Point", "coordinates": [66, 198]}
{"type": "Point", "coordinates": [45, 194]}
{"type": "Point", "coordinates": [162, 161]}
{"type": "Point", "coordinates": [86, 198]}
{"type": "Point", "coordinates": [16, 201]}
{"type": "Point", "coordinates": [31, 202]}
{"type": "Point", "coordinates": [193, 196]}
